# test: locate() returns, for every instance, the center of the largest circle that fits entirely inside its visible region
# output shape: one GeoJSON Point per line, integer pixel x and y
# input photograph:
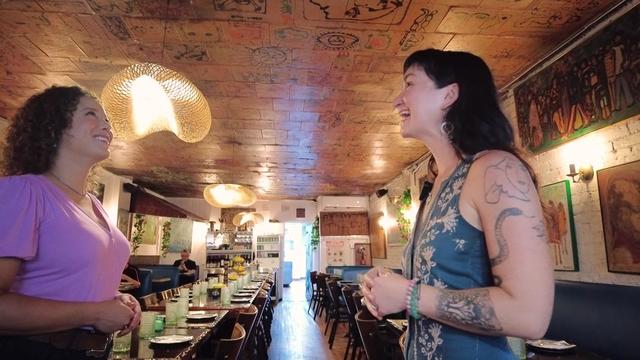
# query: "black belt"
{"type": "Point", "coordinates": [94, 344]}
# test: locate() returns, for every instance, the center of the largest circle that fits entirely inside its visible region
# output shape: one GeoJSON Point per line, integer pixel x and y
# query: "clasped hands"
{"type": "Point", "coordinates": [385, 292]}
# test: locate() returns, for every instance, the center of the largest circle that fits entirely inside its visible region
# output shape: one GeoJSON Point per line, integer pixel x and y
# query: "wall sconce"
{"type": "Point", "coordinates": [584, 174]}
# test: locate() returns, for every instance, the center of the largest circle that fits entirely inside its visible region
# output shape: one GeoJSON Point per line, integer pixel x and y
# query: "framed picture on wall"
{"type": "Point", "coordinates": [619, 188]}
{"type": "Point", "coordinates": [377, 236]}
{"type": "Point", "coordinates": [362, 254]}
{"type": "Point", "coordinates": [558, 216]}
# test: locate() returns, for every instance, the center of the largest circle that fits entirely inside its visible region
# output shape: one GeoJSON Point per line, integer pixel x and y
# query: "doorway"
{"type": "Point", "coordinates": [295, 250]}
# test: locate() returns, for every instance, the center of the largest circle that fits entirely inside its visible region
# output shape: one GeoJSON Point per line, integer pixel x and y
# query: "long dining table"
{"type": "Point", "coordinates": [201, 331]}
{"type": "Point", "coordinates": [206, 302]}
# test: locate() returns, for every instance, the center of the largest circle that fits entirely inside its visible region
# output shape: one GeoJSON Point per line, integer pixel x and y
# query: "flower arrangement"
{"type": "Point", "coordinates": [166, 238]}
{"type": "Point", "coordinates": [138, 231]}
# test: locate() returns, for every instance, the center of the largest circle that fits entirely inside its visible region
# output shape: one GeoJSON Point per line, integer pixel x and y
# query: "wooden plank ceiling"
{"type": "Point", "coordinates": [300, 90]}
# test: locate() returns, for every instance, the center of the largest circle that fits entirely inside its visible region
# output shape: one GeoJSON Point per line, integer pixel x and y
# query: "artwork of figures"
{"type": "Point", "coordinates": [593, 86]}
{"type": "Point", "coordinates": [558, 216]}
{"type": "Point", "coordinates": [362, 254]}
{"type": "Point", "coordinates": [181, 234]}
{"type": "Point", "coordinates": [150, 234]}
{"type": "Point", "coordinates": [335, 252]}
{"type": "Point", "coordinates": [619, 188]}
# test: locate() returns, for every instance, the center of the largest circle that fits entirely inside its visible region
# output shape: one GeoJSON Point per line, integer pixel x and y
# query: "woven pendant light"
{"type": "Point", "coordinates": [244, 217]}
{"type": "Point", "coordinates": [147, 98]}
{"type": "Point", "coordinates": [229, 195]}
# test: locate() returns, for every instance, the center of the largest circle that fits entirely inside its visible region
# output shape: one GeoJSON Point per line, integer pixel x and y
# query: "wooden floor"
{"type": "Point", "coordinates": [296, 336]}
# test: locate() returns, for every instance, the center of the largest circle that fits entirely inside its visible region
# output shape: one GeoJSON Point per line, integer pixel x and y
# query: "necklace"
{"type": "Point", "coordinates": [81, 194]}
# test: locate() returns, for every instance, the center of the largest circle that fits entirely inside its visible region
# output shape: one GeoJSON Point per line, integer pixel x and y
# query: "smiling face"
{"type": "Point", "coordinates": [421, 104]}
{"type": "Point", "coordinates": [89, 133]}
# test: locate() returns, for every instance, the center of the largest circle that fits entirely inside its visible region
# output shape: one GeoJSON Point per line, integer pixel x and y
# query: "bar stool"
{"type": "Point", "coordinates": [229, 349]}
{"type": "Point", "coordinates": [248, 318]}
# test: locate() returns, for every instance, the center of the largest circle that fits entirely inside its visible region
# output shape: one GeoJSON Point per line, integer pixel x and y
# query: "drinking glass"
{"type": "Point", "coordinates": [518, 347]}
{"type": "Point", "coordinates": [122, 343]}
{"type": "Point", "coordinates": [146, 325]}
{"type": "Point", "coordinates": [171, 311]}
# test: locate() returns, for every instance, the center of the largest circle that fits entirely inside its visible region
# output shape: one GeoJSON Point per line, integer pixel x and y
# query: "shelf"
{"type": "Point", "coordinates": [228, 252]}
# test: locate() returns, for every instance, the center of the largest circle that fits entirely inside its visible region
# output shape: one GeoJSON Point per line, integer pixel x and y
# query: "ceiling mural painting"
{"type": "Point", "coordinates": [300, 91]}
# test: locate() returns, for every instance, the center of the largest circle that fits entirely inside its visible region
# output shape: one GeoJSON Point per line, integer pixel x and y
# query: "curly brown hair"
{"type": "Point", "coordinates": [36, 129]}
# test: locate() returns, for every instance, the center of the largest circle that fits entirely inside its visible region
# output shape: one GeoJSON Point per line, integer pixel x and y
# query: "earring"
{"type": "Point", "coordinates": [447, 129]}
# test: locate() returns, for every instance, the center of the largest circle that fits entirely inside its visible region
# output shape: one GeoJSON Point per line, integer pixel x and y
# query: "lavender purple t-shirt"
{"type": "Point", "coordinates": [66, 255]}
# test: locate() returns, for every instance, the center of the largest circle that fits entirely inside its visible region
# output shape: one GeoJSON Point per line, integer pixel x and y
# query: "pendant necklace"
{"type": "Point", "coordinates": [81, 194]}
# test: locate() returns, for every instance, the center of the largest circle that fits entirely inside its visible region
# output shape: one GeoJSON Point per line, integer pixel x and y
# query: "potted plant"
{"type": "Point", "coordinates": [166, 238]}
{"type": "Point", "coordinates": [138, 231]}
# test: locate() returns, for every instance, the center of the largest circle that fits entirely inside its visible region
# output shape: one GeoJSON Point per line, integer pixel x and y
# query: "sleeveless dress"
{"type": "Point", "coordinates": [447, 252]}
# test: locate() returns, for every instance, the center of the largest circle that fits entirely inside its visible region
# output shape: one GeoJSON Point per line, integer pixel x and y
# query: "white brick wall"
{"type": "Point", "coordinates": [613, 145]}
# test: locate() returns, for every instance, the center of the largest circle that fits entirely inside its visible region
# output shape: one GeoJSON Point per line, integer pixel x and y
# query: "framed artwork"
{"type": "Point", "coordinates": [181, 234]}
{"type": "Point", "coordinates": [150, 234]}
{"type": "Point", "coordinates": [619, 188]}
{"type": "Point", "coordinates": [558, 216]}
{"type": "Point", "coordinates": [124, 222]}
{"type": "Point", "coordinates": [362, 254]}
{"type": "Point", "coordinates": [335, 252]}
{"type": "Point", "coordinates": [590, 87]}
{"type": "Point", "coordinates": [394, 237]}
{"type": "Point", "coordinates": [377, 236]}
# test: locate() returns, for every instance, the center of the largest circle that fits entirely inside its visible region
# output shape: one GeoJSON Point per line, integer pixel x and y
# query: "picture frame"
{"type": "Point", "coordinates": [619, 191]}
{"type": "Point", "coordinates": [124, 222]}
{"type": "Point", "coordinates": [557, 209]}
{"type": "Point", "coordinates": [362, 254]}
{"type": "Point", "coordinates": [377, 236]}
{"type": "Point", "coordinates": [549, 111]}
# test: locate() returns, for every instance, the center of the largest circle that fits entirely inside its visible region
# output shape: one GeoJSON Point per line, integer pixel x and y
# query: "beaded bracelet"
{"type": "Point", "coordinates": [413, 298]}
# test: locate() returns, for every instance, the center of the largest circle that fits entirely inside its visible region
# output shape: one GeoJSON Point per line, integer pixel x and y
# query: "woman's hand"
{"type": "Point", "coordinates": [389, 292]}
{"type": "Point", "coordinates": [367, 285]}
{"type": "Point", "coordinates": [132, 304]}
{"type": "Point", "coordinates": [112, 315]}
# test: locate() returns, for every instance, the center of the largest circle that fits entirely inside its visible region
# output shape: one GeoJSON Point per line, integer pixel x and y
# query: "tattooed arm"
{"type": "Point", "coordinates": [504, 204]}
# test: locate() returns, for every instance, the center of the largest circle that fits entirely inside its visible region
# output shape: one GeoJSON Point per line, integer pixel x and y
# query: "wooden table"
{"type": "Point", "coordinates": [205, 302]}
{"type": "Point", "coordinates": [201, 332]}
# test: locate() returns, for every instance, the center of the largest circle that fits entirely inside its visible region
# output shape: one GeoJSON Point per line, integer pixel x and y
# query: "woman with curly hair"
{"type": "Point", "coordinates": [60, 257]}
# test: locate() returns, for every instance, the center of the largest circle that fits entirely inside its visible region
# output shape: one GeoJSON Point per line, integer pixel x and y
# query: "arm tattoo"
{"type": "Point", "coordinates": [507, 177]}
{"type": "Point", "coordinates": [471, 308]}
{"type": "Point", "coordinates": [541, 230]}
{"type": "Point", "coordinates": [503, 247]}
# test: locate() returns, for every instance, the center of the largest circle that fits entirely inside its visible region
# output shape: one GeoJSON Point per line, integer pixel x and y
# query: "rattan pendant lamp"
{"type": "Point", "coordinates": [229, 195]}
{"type": "Point", "coordinates": [146, 98]}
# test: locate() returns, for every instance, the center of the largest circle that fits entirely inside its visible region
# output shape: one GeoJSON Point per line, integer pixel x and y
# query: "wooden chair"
{"type": "Point", "coordinates": [354, 337]}
{"type": "Point", "coordinates": [313, 278]}
{"type": "Point", "coordinates": [377, 342]}
{"type": "Point", "coordinates": [166, 294]}
{"type": "Point", "coordinates": [248, 319]}
{"type": "Point", "coordinates": [229, 349]}
{"type": "Point", "coordinates": [148, 300]}
{"type": "Point", "coordinates": [337, 310]}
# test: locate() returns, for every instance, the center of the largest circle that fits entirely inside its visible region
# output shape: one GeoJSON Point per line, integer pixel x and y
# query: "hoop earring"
{"type": "Point", "coordinates": [447, 129]}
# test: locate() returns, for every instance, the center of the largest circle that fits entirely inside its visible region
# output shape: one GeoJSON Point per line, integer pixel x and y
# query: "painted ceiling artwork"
{"type": "Point", "coordinates": [300, 91]}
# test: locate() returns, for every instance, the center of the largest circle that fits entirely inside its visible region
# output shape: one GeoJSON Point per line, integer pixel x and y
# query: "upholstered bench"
{"type": "Point", "coordinates": [601, 318]}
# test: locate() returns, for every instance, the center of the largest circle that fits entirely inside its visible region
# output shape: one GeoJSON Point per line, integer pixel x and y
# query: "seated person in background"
{"type": "Point", "coordinates": [187, 268]}
{"type": "Point", "coordinates": [130, 276]}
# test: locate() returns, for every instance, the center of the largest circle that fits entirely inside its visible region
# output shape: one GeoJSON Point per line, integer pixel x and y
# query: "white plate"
{"type": "Point", "coordinates": [557, 345]}
{"type": "Point", "coordinates": [171, 339]}
{"type": "Point", "coordinates": [241, 300]}
{"type": "Point", "coordinates": [198, 316]}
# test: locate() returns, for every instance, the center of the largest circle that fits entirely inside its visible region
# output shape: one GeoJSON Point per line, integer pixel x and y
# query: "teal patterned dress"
{"type": "Point", "coordinates": [445, 251]}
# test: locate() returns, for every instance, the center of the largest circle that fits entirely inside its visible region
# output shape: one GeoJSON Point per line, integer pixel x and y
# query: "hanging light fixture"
{"type": "Point", "coordinates": [147, 98]}
{"type": "Point", "coordinates": [245, 216]}
{"type": "Point", "coordinates": [229, 195]}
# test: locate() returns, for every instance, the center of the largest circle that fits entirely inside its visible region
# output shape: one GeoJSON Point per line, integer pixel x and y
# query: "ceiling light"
{"type": "Point", "coordinates": [244, 217]}
{"type": "Point", "coordinates": [147, 98]}
{"type": "Point", "coordinates": [229, 195]}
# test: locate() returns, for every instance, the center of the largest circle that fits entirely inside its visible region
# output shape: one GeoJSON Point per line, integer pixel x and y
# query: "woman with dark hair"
{"type": "Point", "coordinates": [477, 266]}
{"type": "Point", "coordinates": [60, 256]}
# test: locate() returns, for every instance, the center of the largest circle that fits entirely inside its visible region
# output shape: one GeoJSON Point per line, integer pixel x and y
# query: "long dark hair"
{"type": "Point", "coordinates": [35, 132]}
{"type": "Point", "coordinates": [476, 121]}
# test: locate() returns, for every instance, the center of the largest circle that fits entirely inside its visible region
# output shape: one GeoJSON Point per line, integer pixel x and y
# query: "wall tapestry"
{"type": "Point", "coordinates": [558, 216]}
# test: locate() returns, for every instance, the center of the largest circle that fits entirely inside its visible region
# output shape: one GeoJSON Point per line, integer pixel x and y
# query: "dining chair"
{"type": "Point", "coordinates": [313, 278]}
{"type": "Point", "coordinates": [248, 319]}
{"type": "Point", "coordinates": [148, 300]}
{"type": "Point", "coordinates": [229, 349]}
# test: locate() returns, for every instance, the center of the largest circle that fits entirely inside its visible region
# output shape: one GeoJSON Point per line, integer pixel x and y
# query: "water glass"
{"type": "Point", "coordinates": [225, 296]}
{"type": "Point", "coordinates": [122, 344]}
{"type": "Point", "coordinates": [232, 287]}
{"type": "Point", "coordinates": [184, 293]}
{"type": "Point", "coordinates": [195, 288]}
{"type": "Point", "coordinates": [183, 307]}
{"type": "Point", "coordinates": [171, 312]}
{"type": "Point", "coordinates": [518, 347]}
{"type": "Point", "coordinates": [146, 325]}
